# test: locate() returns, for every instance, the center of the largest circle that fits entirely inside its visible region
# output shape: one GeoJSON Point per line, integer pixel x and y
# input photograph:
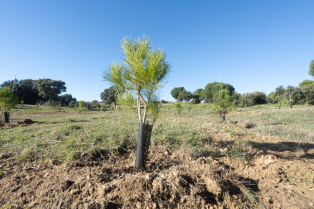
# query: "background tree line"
{"type": "Point", "coordinates": [34, 91]}
{"type": "Point", "coordinates": [303, 94]}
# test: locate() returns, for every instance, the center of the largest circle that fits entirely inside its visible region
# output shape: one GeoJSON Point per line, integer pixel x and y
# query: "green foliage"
{"type": "Point", "coordinates": [254, 98]}
{"type": "Point", "coordinates": [82, 105]}
{"type": "Point", "coordinates": [207, 93]}
{"type": "Point", "coordinates": [176, 91]}
{"type": "Point", "coordinates": [66, 99]}
{"type": "Point", "coordinates": [279, 93]}
{"type": "Point", "coordinates": [95, 104]}
{"type": "Point", "coordinates": [8, 100]}
{"type": "Point", "coordinates": [126, 100]}
{"type": "Point", "coordinates": [306, 82]}
{"type": "Point", "coordinates": [48, 88]}
{"type": "Point", "coordinates": [178, 107]}
{"type": "Point", "coordinates": [311, 72]}
{"type": "Point", "coordinates": [144, 71]}
{"type": "Point", "coordinates": [184, 96]}
{"type": "Point", "coordinates": [308, 91]}
{"type": "Point", "coordinates": [295, 95]}
{"type": "Point", "coordinates": [58, 106]}
{"type": "Point", "coordinates": [103, 108]}
{"type": "Point", "coordinates": [155, 109]}
{"type": "Point", "coordinates": [222, 104]}
{"type": "Point", "coordinates": [237, 98]}
{"type": "Point", "coordinates": [211, 91]}
{"type": "Point", "coordinates": [109, 96]}
{"type": "Point", "coordinates": [24, 90]}
{"type": "Point", "coordinates": [73, 104]}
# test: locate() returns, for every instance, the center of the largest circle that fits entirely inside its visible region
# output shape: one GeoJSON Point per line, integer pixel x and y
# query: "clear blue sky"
{"type": "Point", "coordinates": [256, 45]}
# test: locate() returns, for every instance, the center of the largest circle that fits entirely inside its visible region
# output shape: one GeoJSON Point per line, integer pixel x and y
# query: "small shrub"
{"type": "Point", "coordinates": [249, 125]}
{"type": "Point", "coordinates": [178, 108]}
{"type": "Point", "coordinates": [73, 104]}
{"type": "Point", "coordinates": [103, 108]}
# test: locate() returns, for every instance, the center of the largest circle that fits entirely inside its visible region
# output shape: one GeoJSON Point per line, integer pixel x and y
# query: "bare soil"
{"type": "Point", "coordinates": [277, 174]}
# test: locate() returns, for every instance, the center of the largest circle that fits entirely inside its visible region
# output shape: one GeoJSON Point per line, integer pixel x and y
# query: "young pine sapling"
{"type": "Point", "coordinates": [143, 71]}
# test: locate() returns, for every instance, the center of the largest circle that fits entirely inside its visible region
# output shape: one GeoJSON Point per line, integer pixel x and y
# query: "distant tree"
{"type": "Point", "coordinates": [311, 72]}
{"type": "Point", "coordinates": [306, 82]}
{"type": "Point", "coordinates": [254, 98]}
{"type": "Point", "coordinates": [278, 94]}
{"type": "Point", "coordinates": [237, 98]}
{"type": "Point", "coordinates": [308, 91]}
{"type": "Point", "coordinates": [66, 99]}
{"type": "Point", "coordinates": [185, 96]}
{"type": "Point", "coordinates": [73, 104]}
{"type": "Point", "coordinates": [210, 93]}
{"type": "Point", "coordinates": [217, 88]}
{"type": "Point", "coordinates": [207, 93]}
{"type": "Point", "coordinates": [109, 96]}
{"type": "Point", "coordinates": [175, 92]}
{"type": "Point", "coordinates": [48, 88]}
{"type": "Point", "coordinates": [24, 90]}
{"type": "Point", "coordinates": [280, 90]}
{"type": "Point", "coordinates": [269, 100]}
{"type": "Point", "coordinates": [95, 104]}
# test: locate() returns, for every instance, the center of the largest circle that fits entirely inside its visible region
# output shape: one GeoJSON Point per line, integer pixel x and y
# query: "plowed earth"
{"type": "Point", "coordinates": [273, 176]}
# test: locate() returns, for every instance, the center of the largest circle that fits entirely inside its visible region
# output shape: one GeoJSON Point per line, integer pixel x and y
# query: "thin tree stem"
{"type": "Point", "coordinates": [139, 105]}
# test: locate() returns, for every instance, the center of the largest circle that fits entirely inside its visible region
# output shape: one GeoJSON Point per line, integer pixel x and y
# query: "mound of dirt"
{"type": "Point", "coordinates": [171, 180]}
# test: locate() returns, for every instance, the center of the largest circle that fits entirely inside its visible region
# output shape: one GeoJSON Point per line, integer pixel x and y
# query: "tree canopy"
{"type": "Point", "coordinates": [144, 70]}
{"type": "Point", "coordinates": [48, 88]}
{"type": "Point", "coordinates": [311, 72]}
{"type": "Point", "coordinates": [185, 96]}
{"type": "Point", "coordinates": [211, 90]}
{"type": "Point", "coordinates": [109, 96]}
{"type": "Point", "coordinates": [306, 82]}
{"type": "Point", "coordinates": [175, 92]}
{"type": "Point", "coordinates": [66, 99]}
{"type": "Point", "coordinates": [24, 90]}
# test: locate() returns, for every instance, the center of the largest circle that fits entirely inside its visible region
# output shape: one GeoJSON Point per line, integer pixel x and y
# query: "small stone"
{"type": "Point", "coordinates": [32, 204]}
{"type": "Point", "coordinates": [139, 205]}
{"type": "Point", "coordinates": [154, 205]}
{"type": "Point", "coordinates": [46, 174]}
{"type": "Point", "coordinates": [75, 191]}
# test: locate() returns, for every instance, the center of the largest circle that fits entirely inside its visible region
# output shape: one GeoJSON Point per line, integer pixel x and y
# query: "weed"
{"type": "Point", "coordinates": [251, 196]}
{"type": "Point", "coordinates": [75, 127]}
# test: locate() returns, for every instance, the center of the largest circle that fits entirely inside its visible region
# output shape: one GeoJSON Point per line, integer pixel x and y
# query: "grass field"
{"type": "Point", "coordinates": [61, 135]}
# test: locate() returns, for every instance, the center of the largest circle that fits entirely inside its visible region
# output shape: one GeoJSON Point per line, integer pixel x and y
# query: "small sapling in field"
{"type": "Point", "coordinates": [178, 108]}
{"type": "Point", "coordinates": [58, 107]}
{"type": "Point", "coordinates": [8, 100]}
{"type": "Point", "coordinates": [82, 106]}
{"type": "Point", "coordinates": [143, 72]}
{"type": "Point", "coordinates": [222, 104]}
{"type": "Point", "coordinates": [103, 108]}
{"type": "Point", "coordinates": [22, 102]}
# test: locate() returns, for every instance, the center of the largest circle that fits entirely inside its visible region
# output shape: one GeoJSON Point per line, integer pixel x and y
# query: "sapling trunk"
{"type": "Point", "coordinates": [6, 116]}
{"type": "Point", "coordinates": [144, 134]}
{"type": "Point", "coordinates": [223, 113]}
